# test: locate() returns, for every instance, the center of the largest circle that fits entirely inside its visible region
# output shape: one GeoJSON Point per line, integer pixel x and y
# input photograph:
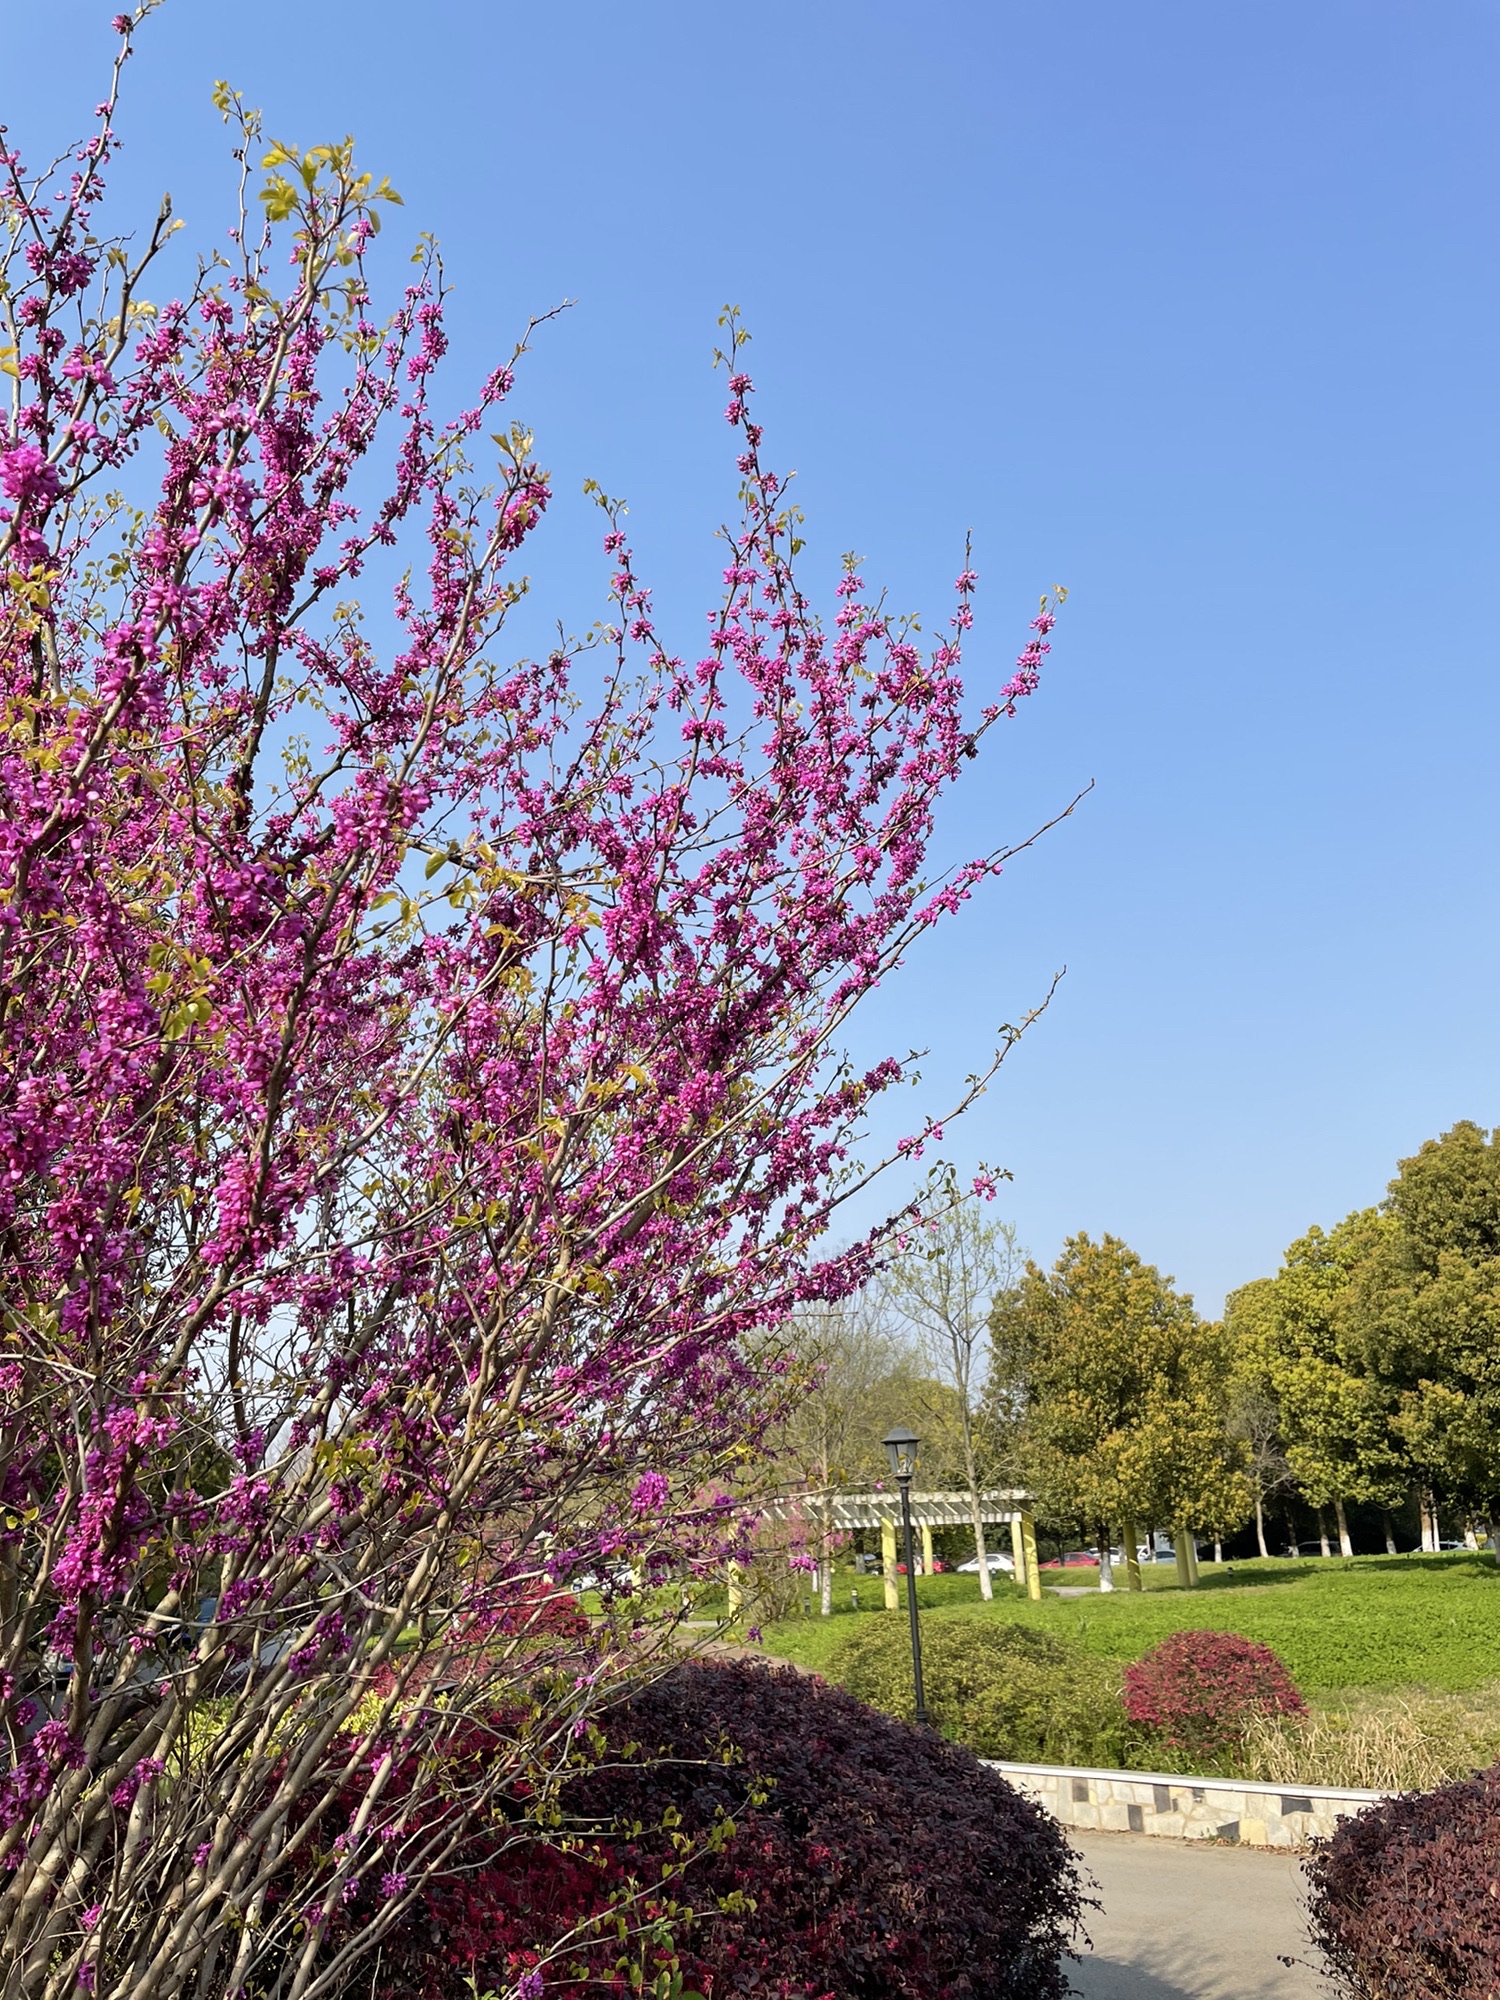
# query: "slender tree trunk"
{"type": "Point", "coordinates": [1390, 1533]}
{"type": "Point", "coordinates": [1106, 1567]}
{"type": "Point", "coordinates": [1132, 1557]}
{"type": "Point", "coordinates": [1323, 1531]}
{"type": "Point", "coordinates": [976, 1508]}
{"type": "Point", "coordinates": [1430, 1532]}
{"type": "Point", "coordinates": [1192, 1558]}
{"type": "Point", "coordinates": [1346, 1547]}
{"type": "Point", "coordinates": [1180, 1551]}
{"type": "Point", "coordinates": [1218, 1550]}
{"type": "Point", "coordinates": [1260, 1524]}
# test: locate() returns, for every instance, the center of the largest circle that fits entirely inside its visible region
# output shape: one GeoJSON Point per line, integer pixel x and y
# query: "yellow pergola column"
{"type": "Point", "coordinates": [735, 1589]}
{"type": "Point", "coordinates": [926, 1551]}
{"type": "Point", "coordinates": [1017, 1548]}
{"type": "Point", "coordinates": [1028, 1549]}
{"type": "Point", "coordinates": [888, 1565]}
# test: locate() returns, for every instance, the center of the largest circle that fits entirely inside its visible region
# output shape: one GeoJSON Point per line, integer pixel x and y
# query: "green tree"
{"type": "Point", "coordinates": [1127, 1394]}
{"type": "Point", "coordinates": [1337, 1411]}
{"type": "Point", "coordinates": [1422, 1314]}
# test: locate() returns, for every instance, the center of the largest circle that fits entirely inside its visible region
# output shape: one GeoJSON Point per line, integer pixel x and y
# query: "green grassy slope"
{"type": "Point", "coordinates": [1375, 1622]}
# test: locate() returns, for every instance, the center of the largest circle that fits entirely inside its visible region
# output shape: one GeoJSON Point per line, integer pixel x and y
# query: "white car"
{"type": "Point", "coordinates": [993, 1560]}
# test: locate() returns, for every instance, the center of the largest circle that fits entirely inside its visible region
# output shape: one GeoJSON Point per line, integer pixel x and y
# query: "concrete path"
{"type": "Point", "coordinates": [1183, 1921]}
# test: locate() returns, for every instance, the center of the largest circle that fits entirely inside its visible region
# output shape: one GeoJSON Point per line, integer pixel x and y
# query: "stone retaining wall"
{"type": "Point", "coordinates": [1186, 1808]}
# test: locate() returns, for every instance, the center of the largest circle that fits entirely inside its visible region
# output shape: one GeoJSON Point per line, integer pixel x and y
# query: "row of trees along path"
{"type": "Point", "coordinates": [1370, 1363]}
{"type": "Point", "coordinates": [1363, 1371]}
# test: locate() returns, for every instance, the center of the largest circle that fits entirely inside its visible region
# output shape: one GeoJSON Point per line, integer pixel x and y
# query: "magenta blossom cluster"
{"type": "Point", "coordinates": [424, 1103]}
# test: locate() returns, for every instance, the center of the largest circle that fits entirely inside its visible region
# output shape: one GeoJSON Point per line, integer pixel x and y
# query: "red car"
{"type": "Point", "coordinates": [1078, 1559]}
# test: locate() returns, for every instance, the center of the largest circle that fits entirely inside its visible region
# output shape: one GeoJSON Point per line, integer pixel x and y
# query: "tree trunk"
{"type": "Point", "coordinates": [1390, 1533]}
{"type": "Point", "coordinates": [825, 1568]}
{"type": "Point", "coordinates": [1179, 1551]}
{"type": "Point", "coordinates": [976, 1509]}
{"type": "Point", "coordinates": [1106, 1567]}
{"type": "Point", "coordinates": [1131, 1546]}
{"type": "Point", "coordinates": [1323, 1531]}
{"type": "Point", "coordinates": [1260, 1525]}
{"type": "Point", "coordinates": [1430, 1531]}
{"type": "Point", "coordinates": [1218, 1550]}
{"type": "Point", "coordinates": [1346, 1547]}
{"type": "Point", "coordinates": [986, 1588]}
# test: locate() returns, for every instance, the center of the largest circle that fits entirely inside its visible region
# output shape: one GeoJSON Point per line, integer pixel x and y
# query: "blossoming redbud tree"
{"type": "Point", "coordinates": [422, 1100]}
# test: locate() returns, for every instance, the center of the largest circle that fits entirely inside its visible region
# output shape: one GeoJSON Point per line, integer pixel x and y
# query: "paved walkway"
{"type": "Point", "coordinates": [1188, 1922]}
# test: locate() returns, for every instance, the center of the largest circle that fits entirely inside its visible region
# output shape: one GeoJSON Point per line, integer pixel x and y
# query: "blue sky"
{"type": "Point", "coordinates": [1192, 308]}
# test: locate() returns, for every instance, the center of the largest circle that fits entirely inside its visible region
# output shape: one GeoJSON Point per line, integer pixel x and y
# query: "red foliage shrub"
{"type": "Point", "coordinates": [1197, 1690]}
{"type": "Point", "coordinates": [869, 1861]}
{"type": "Point", "coordinates": [1405, 1901]}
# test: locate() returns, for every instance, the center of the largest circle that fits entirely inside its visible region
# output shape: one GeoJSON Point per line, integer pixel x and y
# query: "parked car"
{"type": "Point", "coordinates": [993, 1560]}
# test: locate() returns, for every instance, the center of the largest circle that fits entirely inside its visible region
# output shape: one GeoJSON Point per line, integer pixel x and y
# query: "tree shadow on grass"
{"type": "Point", "coordinates": [1297, 1570]}
{"type": "Point", "coordinates": [1233, 1578]}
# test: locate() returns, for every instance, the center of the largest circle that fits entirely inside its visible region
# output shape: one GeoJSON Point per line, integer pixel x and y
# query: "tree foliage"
{"type": "Point", "coordinates": [1375, 1343]}
{"type": "Point", "coordinates": [1336, 1410]}
{"type": "Point", "coordinates": [1127, 1390]}
{"type": "Point", "coordinates": [1423, 1313]}
{"type": "Point", "coordinates": [423, 1097]}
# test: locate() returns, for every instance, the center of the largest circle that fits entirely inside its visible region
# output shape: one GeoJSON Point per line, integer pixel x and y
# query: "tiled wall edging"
{"type": "Point", "coordinates": [1186, 1808]}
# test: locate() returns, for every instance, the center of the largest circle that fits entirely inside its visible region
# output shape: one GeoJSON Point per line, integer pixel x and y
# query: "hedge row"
{"type": "Point", "coordinates": [1010, 1691]}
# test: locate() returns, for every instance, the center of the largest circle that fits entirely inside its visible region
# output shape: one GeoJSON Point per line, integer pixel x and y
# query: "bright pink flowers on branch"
{"type": "Point", "coordinates": [422, 1101]}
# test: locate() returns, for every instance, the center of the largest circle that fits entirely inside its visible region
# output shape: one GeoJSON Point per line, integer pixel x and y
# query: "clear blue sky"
{"type": "Point", "coordinates": [1192, 308]}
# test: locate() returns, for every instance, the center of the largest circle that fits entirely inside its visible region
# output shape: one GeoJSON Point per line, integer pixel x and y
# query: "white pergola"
{"type": "Point", "coordinates": [832, 1507]}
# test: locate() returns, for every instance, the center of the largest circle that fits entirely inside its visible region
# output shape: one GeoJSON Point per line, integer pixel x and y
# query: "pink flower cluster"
{"type": "Point", "coordinates": [423, 1094]}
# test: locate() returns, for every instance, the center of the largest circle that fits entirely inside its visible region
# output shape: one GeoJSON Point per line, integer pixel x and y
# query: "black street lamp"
{"type": "Point", "coordinates": [901, 1449]}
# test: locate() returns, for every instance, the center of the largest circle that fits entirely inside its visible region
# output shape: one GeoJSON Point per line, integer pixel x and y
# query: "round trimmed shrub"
{"type": "Point", "coordinates": [1004, 1690]}
{"type": "Point", "coordinates": [867, 1861]}
{"type": "Point", "coordinates": [1405, 1901]}
{"type": "Point", "coordinates": [1197, 1692]}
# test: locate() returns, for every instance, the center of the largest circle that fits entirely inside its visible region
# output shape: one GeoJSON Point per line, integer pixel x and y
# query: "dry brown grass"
{"type": "Point", "coordinates": [1394, 1742]}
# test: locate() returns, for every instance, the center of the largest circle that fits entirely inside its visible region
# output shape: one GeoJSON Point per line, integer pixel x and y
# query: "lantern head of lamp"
{"type": "Point", "coordinates": [901, 1449]}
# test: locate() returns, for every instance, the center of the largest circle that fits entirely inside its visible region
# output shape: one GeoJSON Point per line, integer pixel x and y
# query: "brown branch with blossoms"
{"type": "Point", "coordinates": [423, 1102]}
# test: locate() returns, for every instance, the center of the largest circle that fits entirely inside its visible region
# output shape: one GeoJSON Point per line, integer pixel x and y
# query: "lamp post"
{"type": "Point", "coordinates": [901, 1449]}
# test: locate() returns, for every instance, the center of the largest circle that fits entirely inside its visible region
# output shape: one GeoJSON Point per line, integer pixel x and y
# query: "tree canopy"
{"type": "Point", "coordinates": [1127, 1393]}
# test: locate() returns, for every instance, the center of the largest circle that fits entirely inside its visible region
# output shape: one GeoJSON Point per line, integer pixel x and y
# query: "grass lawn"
{"type": "Point", "coordinates": [1374, 1622]}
